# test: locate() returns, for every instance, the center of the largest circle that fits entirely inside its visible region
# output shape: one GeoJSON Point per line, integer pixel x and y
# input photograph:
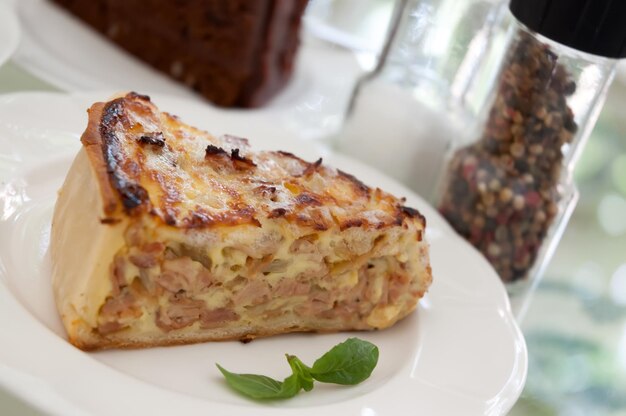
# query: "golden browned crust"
{"type": "Point", "coordinates": [93, 145]}
{"type": "Point", "coordinates": [127, 133]}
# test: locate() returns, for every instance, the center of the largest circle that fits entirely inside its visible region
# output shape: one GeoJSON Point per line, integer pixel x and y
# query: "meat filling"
{"type": "Point", "coordinates": [173, 289]}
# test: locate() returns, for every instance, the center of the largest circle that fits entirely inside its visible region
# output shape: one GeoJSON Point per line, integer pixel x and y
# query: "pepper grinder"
{"type": "Point", "coordinates": [509, 191]}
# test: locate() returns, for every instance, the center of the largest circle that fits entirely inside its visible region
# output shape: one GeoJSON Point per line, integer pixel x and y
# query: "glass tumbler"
{"type": "Point", "coordinates": [403, 116]}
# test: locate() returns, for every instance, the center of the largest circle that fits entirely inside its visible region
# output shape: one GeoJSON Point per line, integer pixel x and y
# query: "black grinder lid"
{"type": "Point", "coordinates": [594, 26]}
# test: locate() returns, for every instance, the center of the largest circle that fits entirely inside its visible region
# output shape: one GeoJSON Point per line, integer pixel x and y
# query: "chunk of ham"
{"type": "Point", "coordinates": [252, 293]}
{"type": "Point", "coordinates": [216, 317]}
{"type": "Point", "coordinates": [118, 276]}
{"type": "Point", "coordinates": [110, 327]}
{"type": "Point", "coordinates": [184, 274]}
{"type": "Point", "coordinates": [319, 300]}
{"type": "Point", "coordinates": [291, 287]}
{"type": "Point", "coordinates": [117, 312]}
{"type": "Point", "coordinates": [180, 312]}
{"type": "Point", "coordinates": [120, 307]}
{"type": "Point", "coordinates": [398, 286]}
{"type": "Point", "coordinates": [148, 255]}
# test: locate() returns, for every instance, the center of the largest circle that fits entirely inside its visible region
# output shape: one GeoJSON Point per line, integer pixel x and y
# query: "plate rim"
{"type": "Point", "coordinates": [5, 381]}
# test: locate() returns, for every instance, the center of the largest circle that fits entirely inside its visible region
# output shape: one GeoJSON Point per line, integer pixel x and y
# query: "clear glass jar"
{"type": "Point", "coordinates": [509, 191]}
{"type": "Point", "coordinates": [403, 116]}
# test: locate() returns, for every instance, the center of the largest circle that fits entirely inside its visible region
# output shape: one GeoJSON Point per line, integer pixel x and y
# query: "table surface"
{"type": "Point", "coordinates": [575, 326]}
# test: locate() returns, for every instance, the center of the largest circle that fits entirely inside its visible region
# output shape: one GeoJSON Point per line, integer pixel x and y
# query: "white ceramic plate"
{"type": "Point", "coordinates": [460, 353]}
{"type": "Point", "coordinates": [9, 32]}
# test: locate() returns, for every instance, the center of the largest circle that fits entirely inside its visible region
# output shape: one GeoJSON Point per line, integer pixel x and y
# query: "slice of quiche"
{"type": "Point", "coordinates": [164, 234]}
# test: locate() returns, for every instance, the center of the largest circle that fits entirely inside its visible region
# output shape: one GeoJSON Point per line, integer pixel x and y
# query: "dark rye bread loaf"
{"type": "Point", "coordinates": [236, 53]}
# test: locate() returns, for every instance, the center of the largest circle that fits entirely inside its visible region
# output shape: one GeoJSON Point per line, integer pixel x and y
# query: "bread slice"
{"type": "Point", "coordinates": [235, 53]}
{"type": "Point", "coordinates": [164, 234]}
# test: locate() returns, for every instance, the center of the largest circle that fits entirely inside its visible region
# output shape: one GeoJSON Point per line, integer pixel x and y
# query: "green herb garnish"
{"type": "Point", "coordinates": [347, 363]}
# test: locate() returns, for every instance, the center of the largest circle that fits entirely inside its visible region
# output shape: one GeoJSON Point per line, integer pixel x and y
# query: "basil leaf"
{"type": "Point", "coordinates": [347, 363]}
{"type": "Point", "coordinates": [291, 386]}
{"type": "Point", "coordinates": [262, 387]}
{"type": "Point", "coordinates": [302, 371]}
